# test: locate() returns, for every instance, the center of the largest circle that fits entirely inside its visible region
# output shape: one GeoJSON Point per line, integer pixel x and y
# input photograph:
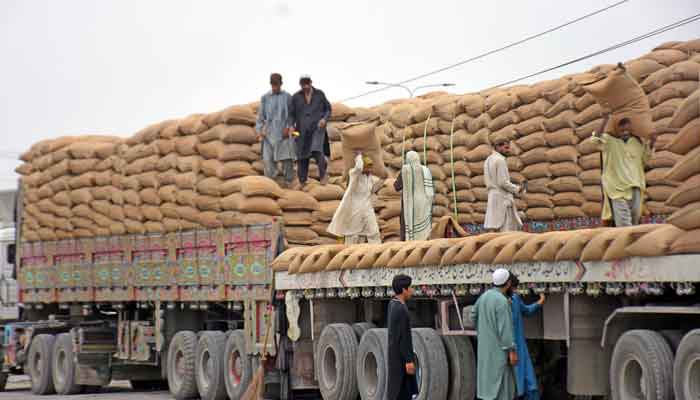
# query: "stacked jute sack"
{"type": "Point", "coordinates": [599, 244]}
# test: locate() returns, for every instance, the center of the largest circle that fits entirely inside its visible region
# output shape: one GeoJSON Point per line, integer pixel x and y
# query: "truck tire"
{"type": "Point", "coordinates": [686, 368]}
{"type": "Point", "coordinates": [181, 356]}
{"type": "Point", "coordinates": [432, 367]}
{"type": "Point", "coordinates": [371, 364]}
{"type": "Point", "coordinates": [641, 367]}
{"type": "Point", "coordinates": [335, 361]}
{"type": "Point", "coordinates": [63, 368]}
{"type": "Point", "coordinates": [209, 367]}
{"type": "Point", "coordinates": [361, 327]}
{"type": "Point", "coordinates": [39, 364]}
{"type": "Point", "coordinates": [462, 367]}
{"type": "Point", "coordinates": [238, 366]}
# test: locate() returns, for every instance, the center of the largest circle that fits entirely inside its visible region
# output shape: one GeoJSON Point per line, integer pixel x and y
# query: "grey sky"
{"type": "Point", "coordinates": [113, 66]}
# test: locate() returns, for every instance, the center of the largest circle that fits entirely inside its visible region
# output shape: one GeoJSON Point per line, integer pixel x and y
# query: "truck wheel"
{"type": "Point", "coordinates": [39, 364]}
{"type": "Point", "coordinates": [641, 367]}
{"type": "Point", "coordinates": [238, 366]}
{"type": "Point", "coordinates": [371, 364]}
{"type": "Point", "coordinates": [361, 327]}
{"type": "Point", "coordinates": [209, 367]}
{"type": "Point", "coordinates": [686, 369]}
{"type": "Point", "coordinates": [335, 361]}
{"type": "Point", "coordinates": [63, 369]}
{"type": "Point", "coordinates": [462, 367]}
{"type": "Point", "coordinates": [181, 356]}
{"type": "Point", "coordinates": [431, 368]}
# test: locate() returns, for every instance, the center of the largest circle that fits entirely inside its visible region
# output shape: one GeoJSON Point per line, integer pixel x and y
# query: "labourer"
{"type": "Point", "coordinates": [623, 179]}
{"type": "Point", "coordinates": [525, 379]}
{"type": "Point", "coordinates": [501, 212]}
{"type": "Point", "coordinates": [401, 377]}
{"type": "Point", "coordinates": [355, 218]}
{"type": "Point", "coordinates": [496, 352]}
{"type": "Point", "coordinates": [415, 182]}
{"type": "Point", "coordinates": [273, 131]}
{"type": "Point", "coordinates": [310, 111]}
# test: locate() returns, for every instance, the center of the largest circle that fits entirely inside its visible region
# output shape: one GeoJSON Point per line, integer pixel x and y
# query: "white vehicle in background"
{"type": "Point", "coordinates": [9, 309]}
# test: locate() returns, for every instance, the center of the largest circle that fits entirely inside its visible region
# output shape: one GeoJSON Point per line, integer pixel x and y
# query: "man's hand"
{"type": "Point", "coordinates": [286, 132]}
{"type": "Point", "coordinates": [513, 356]}
{"type": "Point", "coordinates": [411, 368]}
{"type": "Point", "coordinates": [542, 299]}
{"type": "Point", "coordinates": [261, 136]}
{"type": "Point", "coordinates": [322, 123]}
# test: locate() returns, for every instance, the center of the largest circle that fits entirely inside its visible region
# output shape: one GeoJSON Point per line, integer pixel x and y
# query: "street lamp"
{"type": "Point", "coordinates": [408, 89]}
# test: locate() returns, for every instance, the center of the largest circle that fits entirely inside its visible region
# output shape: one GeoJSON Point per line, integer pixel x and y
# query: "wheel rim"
{"type": "Point", "coordinates": [235, 368]}
{"type": "Point", "coordinates": [371, 374]}
{"type": "Point", "coordinates": [692, 378]}
{"type": "Point", "coordinates": [62, 365]}
{"type": "Point", "coordinates": [633, 383]}
{"type": "Point", "coordinates": [330, 368]}
{"type": "Point", "coordinates": [205, 372]}
{"type": "Point", "coordinates": [179, 369]}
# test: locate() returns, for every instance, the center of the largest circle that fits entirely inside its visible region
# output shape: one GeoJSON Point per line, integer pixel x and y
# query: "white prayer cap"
{"type": "Point", "coordinates": [500, 276]}
{"type": "Point", "coordinates": [304, 77]}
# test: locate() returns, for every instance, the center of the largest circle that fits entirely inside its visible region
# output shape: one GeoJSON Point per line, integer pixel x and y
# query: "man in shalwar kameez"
{"type": "Point", "coordinates": [525, 378]}
{"type": "Point", "coordinates": [310, 111]}
{"type": "Point", "coordinates": [501, 212]}
{"type": "Point", "coordinates": [415, 182]}
{"type": "Point", "coordinates": [355, 218]}
{"type": "Point", "coordinates": [496, 353]}
{"type": "Point", "coordinates": [273, 131]}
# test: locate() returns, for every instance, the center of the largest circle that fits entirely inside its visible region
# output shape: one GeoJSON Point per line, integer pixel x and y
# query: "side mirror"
{"type": "Point", "coordinates": [11, 253]}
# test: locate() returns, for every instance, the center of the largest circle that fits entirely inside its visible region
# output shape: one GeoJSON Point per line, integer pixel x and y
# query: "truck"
{"type": "Point", "coordinates": [199, 312]}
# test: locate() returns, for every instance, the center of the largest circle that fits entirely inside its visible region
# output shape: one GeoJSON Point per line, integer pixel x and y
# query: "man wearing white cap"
{"type": "Point", "coordinates": [309, 111]}
{"type": "Point", "coordinates": [496, 353]}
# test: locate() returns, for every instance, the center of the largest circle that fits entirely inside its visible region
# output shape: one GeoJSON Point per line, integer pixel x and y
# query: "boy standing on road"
{"type": "Point", "coordinates": [401, 367]}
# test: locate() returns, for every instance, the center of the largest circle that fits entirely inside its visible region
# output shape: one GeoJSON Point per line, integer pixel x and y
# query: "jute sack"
{"type": "Point", "coordinates": [338, 260]}
{"type": "Point", "coordinates": [562, 137]}
{"type": "Point", "coordinates": [362, 138]}
{"type": "Point", "coordinates": [659, 193]}
{"type": "Point", "coordinates": [568, 212]}
{"type": "Point", "coordinates": [186, 198]}
{"type": "Point", "coordinates": [597, 246]}
{"type": "Point", "coordinates": [470, 246]}
{"type": "Point", "coordinates": [399, 259]}
{"type": "Point", "coordinates": [326, 192]}
{"type": "Point", "coordinates": [657, 176]}
{"type": "Point", "coordinates": [687, 218]}
{"type": "Point", "coordinates": [593, 193]}
{"type": "Point", "coordinates": [574, 246]}
{"type": "Point", "coordinates": [620, 92]}
{"type": "Point", "coordinates": [566, 184]}
{"type": "Point", "coordinates": [433, 255]}
{"type": "Point", "coordinates": [538, 200]}
{"type": "Point", "coordinates": [590, 161]}
{"type": "Point", "coordinates": [531, 141]}
{"type": "Point", "coordinates": [208, 219]}
{"type": "Point", "coordinates": [388, 253]}
{"type": "Point", "coordinates": [366, 258]}
{"type": "Point", "coordinates": [659, 208]}
{"type": "Point", "coordinates": [535, 171]}
{"type": "Point", "coordinates": [663, 159]}
{"type": "Point", "coordinates": [256, 204]}
{"type": "Point", "coordinates": [529, 111]}
{"type": "Point", "coordinates": [210, 186]}
{"type": "Point", "coordinates": [561, 154]}
{"type": "Point", "coordinates": [318, 258]}
{"type": "Point", "coordinates": [588, 146]}
{"type": "Point", "coordinates": [255, 186]}
{"type": "Point", "coordinates": [207, 203]}
{"type": "Point", "coordinates": [282, 261]}
{"type": "Point", "coordinates": [688, 192]}
{"type": "Point", "coordinates": [192, 125]}
{"type": "Point", "coordinates": [358, 253]}
{"type": "Point", "coordinates": [298, 218]}
{"type": "Point", "coordinates": [627, 237]}
{"type": "Point", "coordinates": [565, 199]}
{"type": "Point", "coordinates": [532, 246]}
{"type": "Point", "coordinates": [688, 138]}
{"type": "Point", "coordinates": [539, 214]}
{"type": "Point", "coordinates": [688, 242]}
{"type": "Point", "coordinates": [686, 167]}
{"type": "Point", "coordinates": [489, 251]}
{"type": "Point", "coordinates": [294, 200]}
{"type": "Point", "coordinates": [564, 169]}
{"type": "Point", "coordinates": [548, 251]}
{"type": "Point", "coordinates": [689, 110]}
{"type": "Point", "coordinates": [654, 243]}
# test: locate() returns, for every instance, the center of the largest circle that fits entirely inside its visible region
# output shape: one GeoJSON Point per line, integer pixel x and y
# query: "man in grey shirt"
{"type": "Point", "coordinates": [273, 128]}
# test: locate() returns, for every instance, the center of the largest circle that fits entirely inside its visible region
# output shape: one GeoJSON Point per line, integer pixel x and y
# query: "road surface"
{"type": "Point", "coordinates": [18, 389]}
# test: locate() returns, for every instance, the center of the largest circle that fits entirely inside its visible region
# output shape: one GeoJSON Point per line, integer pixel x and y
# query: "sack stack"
{"type": "Point", "coordinates": [388, 211]}
{"type": "Point", "coordinates": [295, 205]}
{"type": "Point", "coordinates": [328, 198]}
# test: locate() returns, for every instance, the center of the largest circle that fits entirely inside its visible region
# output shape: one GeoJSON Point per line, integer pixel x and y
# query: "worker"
{"type": "Point", "coordinates": [355, 218]}
{"type": "Point", "coordinates": [274, 132]}
{"type": "Point", "coordinates": [623, 179]}
{"type": "Point", "coordinates": [415, 182]}
{"type": "Point", "coordinates": [309, 112]}
{"type": "Point", "coordinates": [525, 379]}
{"type": "Point", "coordinates": [401, 368]}
{"type": "Point", "coordinates": [501, 212]}
{"type": "Point", "coordinates": [496, 353]}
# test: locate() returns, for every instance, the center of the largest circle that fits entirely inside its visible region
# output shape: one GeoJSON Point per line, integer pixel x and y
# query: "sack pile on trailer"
{"type": "Point", "coordinates": [195, 172]}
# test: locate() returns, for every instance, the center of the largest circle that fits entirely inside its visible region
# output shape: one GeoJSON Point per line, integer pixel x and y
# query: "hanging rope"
{"type": "Point", "coordinates": [452, 167]}
{"type": "Point", "coordinates": [425, 141]}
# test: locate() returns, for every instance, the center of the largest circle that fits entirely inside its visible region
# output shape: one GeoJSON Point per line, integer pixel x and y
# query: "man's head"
{"type": "Point", "coordinates": [305, 83]}
{"type": "Point", "coordinates": [624, 127]}
{"type": "Point", "coordinates": [502, 146]}
{"type": "Point", "coordinates": [514, 282]}
{"type": "Point", "coordinates": [401, 284]}
{"type": "Point", "coordinates": [501, 279]}
{"type": "Point", "coordinates": [367, 165]}
{"type": "Point", "coordinates": [276, 82]}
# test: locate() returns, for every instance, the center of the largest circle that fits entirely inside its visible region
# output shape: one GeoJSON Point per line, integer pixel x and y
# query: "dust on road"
{"type": "Point", "coordinates": [18, 389]}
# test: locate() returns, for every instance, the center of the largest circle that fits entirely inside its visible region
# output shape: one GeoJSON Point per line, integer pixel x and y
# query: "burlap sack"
{"type": "Point", "coordinates": [548, 251]}
{"type": "Point", "coordinates": [186, 198]}
{"type": "Point", "coordinates": [688, 110]}
{"type": "Point", "coordinates": [688, 192]}
{"type": "Point", "coordinates": [663, 159]}
{"type": "Point", "coordinates": [210, 186]}
{"type": "Point", "coordinates": [531, 141]}
{"type": "Point", "coordinates": [533, 245]}
{"type": "Point", "coordinates": [654, 243]}
{"type": "Point", "coordinates": [568, 199]}
{"type": "Point", "coordinates": [660, 193]}
{"type": "Point", "coordinates": [659, 208]}
{"type": "Point", "coordinates": [562, 137]}
{"type": "Point", "coordinates": [625, 238]}
{"type": "Point", "coordinates": [208, 219]}
{"type": "Point", "coordinates": [150, 196]}
{"type": "Point", "coordinates": [207, 203]}
{"type": "Point", "coordinates": [564, 169]}
{"type": "Point", "coordinates": [535, 171]}
{"type": "Point", "coordinates": [489, 251]}
{"type": "Point", "coordinates": [187, 180]}
{"type": "Point", "coordinates": [590, 161]}
{"type": "Point", "coordinates": [167, 162]}
{"type": "Point", "coordinates": [688, 138]}
{"type": "Point", "coordinates": [687, 218]}
{"type": "Point", "coordinates": [688, 166]}
{"type": "Point", "coordinates": [686, 243]}
{"type": "Point", "coordinates": [254, 186]}
{"type": "Point", "coordinates": [301, 235]}
{"type": "Point", "coordinates": [677, 89]}
{"type": "Point", "coordinates": [593, 193]}
{"type": "Point", "coordinates": [255, 204]}
{"type": "Point", "coordinates": [539, 214]}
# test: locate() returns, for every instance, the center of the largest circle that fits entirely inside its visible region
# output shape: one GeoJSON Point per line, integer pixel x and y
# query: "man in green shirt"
{"type": "Point", "coordinates": [623, 179]}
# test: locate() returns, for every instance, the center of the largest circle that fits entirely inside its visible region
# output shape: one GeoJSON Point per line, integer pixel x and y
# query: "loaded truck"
{"type": "Point", "coordinates": [199, 312]}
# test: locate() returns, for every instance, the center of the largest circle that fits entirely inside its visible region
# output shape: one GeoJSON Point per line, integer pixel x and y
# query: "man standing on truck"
{"type": "Point", "coordinates": [501, 213]}
{"type": "Point", "coordinates": [415, 182]}
{"type": "Point", "coordinates": [309, 112]}
{"type": "Point", "coordinates": [496, 352]}
{"type": "Point", "coordinates": [355, 218]}
{"type": "Point", "coordinates": [401, 378]}
{"type": "Point", "coordinates": [525, 378]}
{"type": "Point", "coordinates": [623, 179]}
{"type": "Point", "coordinates": [274, 132]}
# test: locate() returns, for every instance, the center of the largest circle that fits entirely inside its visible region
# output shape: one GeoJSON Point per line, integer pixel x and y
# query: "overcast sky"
{"type": "Point", "coordinates": [114, 66]}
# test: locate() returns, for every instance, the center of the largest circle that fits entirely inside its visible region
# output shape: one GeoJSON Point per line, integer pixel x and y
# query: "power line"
{"type": "Point", "coordinates": [655, 32]}
{"type": "Point", "coordinates": [488, 53]}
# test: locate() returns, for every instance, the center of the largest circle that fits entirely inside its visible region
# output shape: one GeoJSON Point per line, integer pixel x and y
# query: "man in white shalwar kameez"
{"type": "Point", "coordinates": [415, 182]}
{"type": "Point", "coordinates": [501, 212]}
{"type": "Point", "coordinates": [355, 219]}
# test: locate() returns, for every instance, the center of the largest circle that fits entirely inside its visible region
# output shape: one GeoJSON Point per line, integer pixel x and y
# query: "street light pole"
{"type": "Point", "coordinates": [408, 89]}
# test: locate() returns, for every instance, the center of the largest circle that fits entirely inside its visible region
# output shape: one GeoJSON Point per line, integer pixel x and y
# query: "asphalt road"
{"type": "Point", "coordinates": [18, 389]}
